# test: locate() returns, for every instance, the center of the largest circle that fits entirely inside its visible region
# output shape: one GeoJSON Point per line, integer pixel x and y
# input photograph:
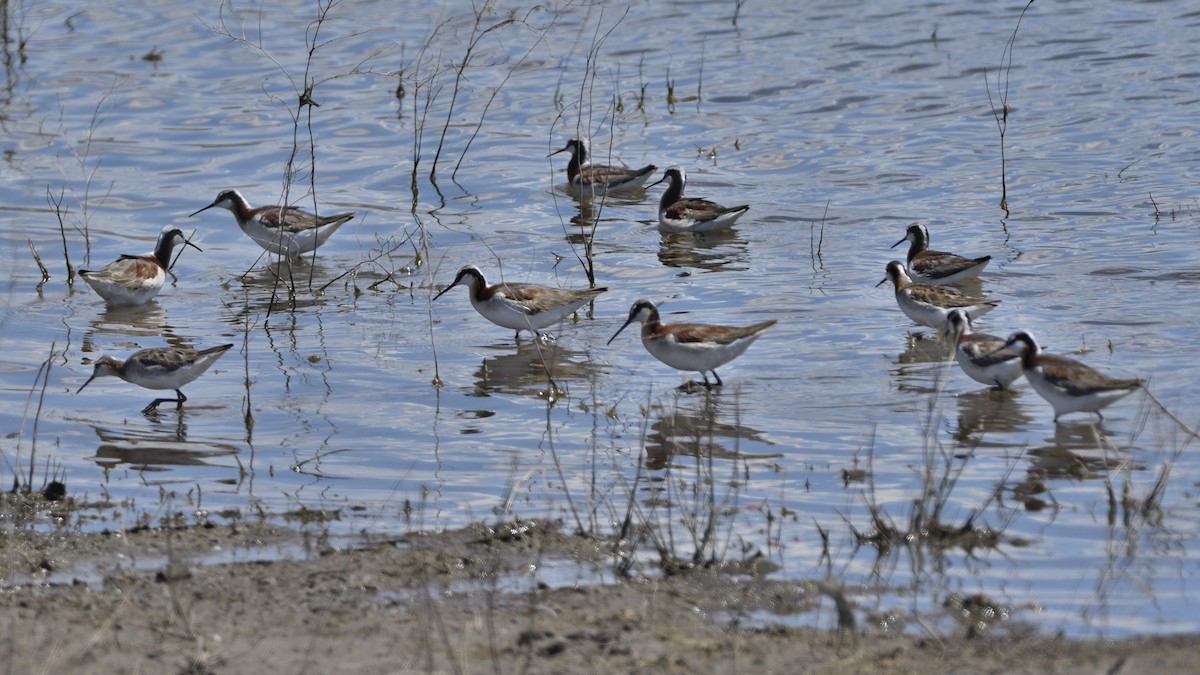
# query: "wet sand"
{"type": "Point", "coordinates": [250, 598]}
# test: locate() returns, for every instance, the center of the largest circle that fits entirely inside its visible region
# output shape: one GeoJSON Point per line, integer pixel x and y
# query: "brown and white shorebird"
{"type": "Point", "coordinates": [984, 358]}
{"type": "Point", "coordinates": [283, 230]}
{"type": "Point", "coordinates": [929, 305]}
{"type": "Point", "coordinates": [521, 306]}
{"type": "Point", "coordinates": [587, 178]}
{"type": "Point", "coordinates": [135, 279]}
{"type": "Point", "coordinates": [937, 267]}
{"type": "Point", "coordinates": [677, 213]}
{"type": "Point", "coordinates": [159, 368]}
{"type": "Point", "coordinates": [694, 347]}
{"type": "Point", "coordinates": [1066, 384]}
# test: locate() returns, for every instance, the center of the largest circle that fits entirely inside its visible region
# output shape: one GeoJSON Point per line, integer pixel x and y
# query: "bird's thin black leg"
{"type": "Point", "coordinates": [155, 403]}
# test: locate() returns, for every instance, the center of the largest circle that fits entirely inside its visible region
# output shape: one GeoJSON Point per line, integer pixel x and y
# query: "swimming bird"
{"type": "Point", "coordinates": [1066, 384]}
{"type": "Point", "coordinates": [927, 304]}
{"type": "Point", "coordinates": [283, 230]}
{"type": "Point", "coordinates": [521, 306]}
{"type": "Point", "coordinates": [691, 346]}
{"type": "Point", "coordinates": [938, 267]}
{"type": "Point", "coordinates": [677, 213]}
{"type": "Point", "coordinates": [135, 279]}
{"type": "Point", "coordinates": [599, 179]}
{"type": "Point", "coordinates": [159, 368]}
{"type": "Point", "coordinates": [984, 358]}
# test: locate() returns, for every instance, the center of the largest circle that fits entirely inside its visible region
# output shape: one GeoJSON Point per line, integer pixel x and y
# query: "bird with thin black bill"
{"type": "Point", "coordinates": [693, 347]}
{"type": "Point", "coordinates": [136, 279]}
{"type": "Point", "coordinates": [983, 357]}
{"type": "Point", "coordinates": [927, 304]}
{"type": "Point", "coordinates": [159, 368]}
{"type": "Point", "coordinates": [1068, 385]}
{"type": "Point", "coordinates": [587, 178]}
{"type": "Point", "coordinates": [677, 214]}
{"type": "Point", "coordinates": [282, 230]}
{"type": "Point", "coordinates": [521, 306]}
{"type": "Point", "coordinates": [937, 267]}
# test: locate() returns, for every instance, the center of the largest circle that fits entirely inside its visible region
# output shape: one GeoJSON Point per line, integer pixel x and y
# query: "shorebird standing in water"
{"type": "Point", "coordinates": [283, 230]}
{"type": "Point", "coordinates": [929, 305]}
{"type": "Point", "coordinates": [136, 279]}
{"type": "Point", "coordinates": [983, 357]}
{"type": "Point", "coordinates": [1066, 384]}
{"type": "Point", "coordinates": [159, 368]}
{"type": "Point", "coordinates": [694, 347]}
{"type": "Point", "coordinates": [521, 306]}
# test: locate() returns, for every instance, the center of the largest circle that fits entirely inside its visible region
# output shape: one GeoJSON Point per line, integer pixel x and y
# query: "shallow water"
{"type": "Point", "coordinates": [839, 125]}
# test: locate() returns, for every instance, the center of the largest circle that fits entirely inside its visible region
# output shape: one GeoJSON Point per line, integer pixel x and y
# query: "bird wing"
{"type": "Point", "coordinates": [163, 360]}
{"type": "Point", "coordinates": [1078, 379]}
{"type": "Point", "coordinates": [693, 332]}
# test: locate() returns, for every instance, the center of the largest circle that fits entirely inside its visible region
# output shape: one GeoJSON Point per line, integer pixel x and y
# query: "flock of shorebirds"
{"type": "Point", "coordinates": [291, 232]}
{"type": "Point", "coordinates": [925, 294]}
{"type": "Point", "coordinates": [924, 287]}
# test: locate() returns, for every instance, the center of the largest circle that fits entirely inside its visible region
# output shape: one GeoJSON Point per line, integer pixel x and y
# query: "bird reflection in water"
{"type": "Point", "coordinates": [1077, 451]}
{"type": "Point", "coordinates": [130, 322]}
{"type": "Point", "coordinates": [533, 368]}
{"type": "Point", "coordinates": [982, 412]}
{"type": "Point", "coordinates": [157, 447]}
{"type": "Point", "coordinates": [698, 433]}
{"type": "Point", "coordinates": [589, 222]}
{"type": "Point", "coordinates": [925, 348]}
{"type": "Point", "coordinates": [272, 287]}
{"type": "Point", "coordinates": [712, 251]}
{"type": "Point", "coordinates": [924, 364]}
{"type": "Point", "coordinates": [590, 210]}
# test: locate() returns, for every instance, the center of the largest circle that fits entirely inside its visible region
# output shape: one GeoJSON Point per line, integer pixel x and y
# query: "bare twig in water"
{"type": "Point", "coordinates": [476, 36]}
{"type": "Point", "coordinates": [38, 259]}
{"type": "Point", "coordinates": [495, 92]}
{"type": "Point", "coordinates": [1193, 433]}
{"type": "Point", "coordinates": [1001, 113]}
{"type": "Point", "coordinates": [56, 203]}
{"type": "Point", "coordinates": [90, 174]}
{"type": "Point", "coordinates": [373, 260]}
{"type": "Point", "coordinates": [815, 244]}
{"type": "Point", "coordinates": [670, 91]}
{"type": "Point", "coordinates": [43, 374]}
{"type": "Point", "coordinates": [1120, 174]}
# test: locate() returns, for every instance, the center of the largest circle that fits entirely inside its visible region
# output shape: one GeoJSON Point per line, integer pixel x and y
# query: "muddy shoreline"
{"type": "Point", "coordinates": [250, 598]}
